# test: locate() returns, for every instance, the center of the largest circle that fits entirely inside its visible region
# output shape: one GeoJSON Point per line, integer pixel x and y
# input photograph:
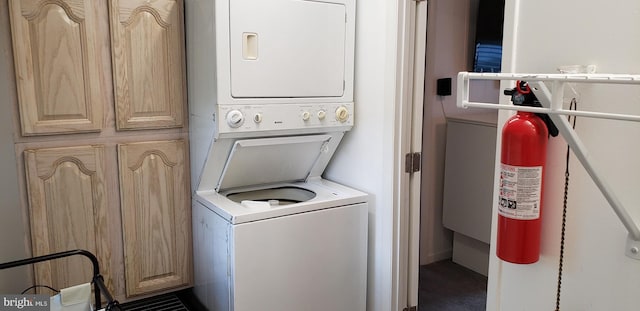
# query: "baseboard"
{"type": "Point", "coordinates": [471, 253]}
{"type": "Point", "coordinates": [434, 257]}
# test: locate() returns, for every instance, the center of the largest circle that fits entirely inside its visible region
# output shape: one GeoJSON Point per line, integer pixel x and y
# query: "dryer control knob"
{"type": "Point", "coordinates": [235, 118]}
{"type": "Point", "coordinates": [342, 114]}
{"type": "Point", "coordinates": [321, 114]}
{"type": "Point", "coordinates": [306, 115]}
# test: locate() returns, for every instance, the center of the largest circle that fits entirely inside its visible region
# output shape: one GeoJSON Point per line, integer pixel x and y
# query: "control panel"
{"type": "Point", "coordinates": [289, 117]}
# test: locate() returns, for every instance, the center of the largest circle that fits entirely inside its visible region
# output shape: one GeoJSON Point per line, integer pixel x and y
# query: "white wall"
{"type": "Point", "coordinates": [364, 159]}
{"type": "Point", "coordinates": [447, 48]}
{"type": "Point", "coordinates": [597, 275]}
{"type": "Point", "coordinates": [13, 230]}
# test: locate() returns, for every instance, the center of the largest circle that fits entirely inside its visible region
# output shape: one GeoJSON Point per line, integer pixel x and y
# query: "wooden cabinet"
{"type": "Point", "coordinates": [68, 207]}
{"type": "Point", "coordinates": [58, 65]}
{"type": "Point", "coordinates": [86, 73]}
{"type": "Point", "coordinates": [156, 220]}
{"type": "Point", "coordinates": [148, 62]}
{"type": "Point", "coordinates": [61, 50]}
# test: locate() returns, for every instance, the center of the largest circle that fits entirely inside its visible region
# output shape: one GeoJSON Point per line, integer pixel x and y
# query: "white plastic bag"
{"type": "Point", "coordinates": [75, 298]}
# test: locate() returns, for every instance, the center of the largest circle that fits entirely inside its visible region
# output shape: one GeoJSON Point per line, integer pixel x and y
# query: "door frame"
{"type": "Point", "coordinates": [409, 96]}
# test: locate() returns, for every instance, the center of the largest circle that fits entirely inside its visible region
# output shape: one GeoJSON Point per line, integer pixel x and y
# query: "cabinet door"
{"type": "Point", "coordinates": [67, 200]}
{"type": "Point", "coordinates": [58, 64]}
{"type": "Point", "coordinates": [148, 63]}
{"type": "Point", "coordinates": [468, 181]}
{"type": "Point", "coordinates": [156, 211]}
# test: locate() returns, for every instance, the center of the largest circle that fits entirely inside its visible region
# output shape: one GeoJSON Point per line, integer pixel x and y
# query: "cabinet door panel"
{"type": "Point", "coordinates": [68, 211]}
{"type": "Point", "coordinates": [156, 215]}
{"type": "Point", "coordinates": [148, 63]}
{"type": "Point", "coordinates": [61, 84]}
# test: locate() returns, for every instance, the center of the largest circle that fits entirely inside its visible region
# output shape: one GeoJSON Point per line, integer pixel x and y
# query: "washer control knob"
{"type": "Point", "coordinates": [306, 115]}
{"type": "Point", "coordinates": [257, 118]}
{"type": "Point", "coordinates": [342, 114]}
{"type": "Point", "coordinates": [321, 114]}
{"type": "Point", "coordinates": [235, 118]}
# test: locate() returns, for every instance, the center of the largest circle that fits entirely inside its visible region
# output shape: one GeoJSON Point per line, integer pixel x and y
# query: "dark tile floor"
{"type": "Point", "coordinates": [447, 286]}
{"type": "Point", "coordinates": [444, 286]}
{"type": "Point", "coordinates": [183, 300]}
{"type": "Point", "coordinates": [189, 299]}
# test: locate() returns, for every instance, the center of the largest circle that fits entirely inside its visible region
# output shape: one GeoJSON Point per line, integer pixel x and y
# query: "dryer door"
{"type": "Point", "coordinates": [287, 48]}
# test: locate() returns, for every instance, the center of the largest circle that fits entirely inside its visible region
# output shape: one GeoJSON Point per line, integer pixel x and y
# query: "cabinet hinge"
{"type": "Point", "coordinates": [412, 162]}
{"type": "Point", "coordinates": [414, 308]}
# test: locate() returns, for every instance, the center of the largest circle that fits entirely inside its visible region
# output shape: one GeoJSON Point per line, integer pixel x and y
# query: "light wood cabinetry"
{"type": "Point", "coordinates": [60, 60]}
{"type": "Point", "coordinates": [58, 65]}
{"type": "Point", "coordinates": [156, 220]}
{"type": "Point", "coordinates": [87, 72]}
{"type": "Point", "coordinates": [148, 67]}
{"type": "Point", "coordinates": [68, 206]}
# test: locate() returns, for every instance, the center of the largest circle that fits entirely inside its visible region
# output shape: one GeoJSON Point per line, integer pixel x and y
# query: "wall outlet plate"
{"type": "Point", "coordinates": [443, 87]}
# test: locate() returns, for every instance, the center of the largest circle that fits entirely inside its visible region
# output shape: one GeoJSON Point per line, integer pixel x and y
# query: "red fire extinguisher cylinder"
{"type": "Point", "coordinates": [523, 155]}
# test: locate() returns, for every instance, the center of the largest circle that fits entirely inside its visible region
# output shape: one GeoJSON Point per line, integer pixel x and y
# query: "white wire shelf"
{"type": "Point", "coordinates": [551, 101]}
{"type": "Point", "coordinates": [556, 107]}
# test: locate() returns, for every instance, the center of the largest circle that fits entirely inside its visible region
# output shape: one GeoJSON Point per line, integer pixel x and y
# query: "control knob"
{"type": "Point", "coordinates": [306, 115]}
{"type": "Point", "coordinates": [342, 114]}
{"type": "Point", "coordinates": [235, 118]}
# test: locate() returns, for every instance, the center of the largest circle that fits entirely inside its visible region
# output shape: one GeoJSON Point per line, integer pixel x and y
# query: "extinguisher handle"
{"type": "Point", "coordinates": [521, 95]}
{"type": "Point", "coordinates": [551, 127]}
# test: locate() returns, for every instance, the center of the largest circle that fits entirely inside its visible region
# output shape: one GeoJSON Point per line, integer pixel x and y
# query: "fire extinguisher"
{"type": "Point", "coordinates": [522, 161]}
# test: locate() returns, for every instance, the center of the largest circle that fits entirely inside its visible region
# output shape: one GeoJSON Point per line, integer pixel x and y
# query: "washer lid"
{"type": "Point", "coordinates": [270, 160]}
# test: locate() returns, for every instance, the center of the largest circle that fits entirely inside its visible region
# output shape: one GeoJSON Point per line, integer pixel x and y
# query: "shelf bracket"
{"type": "Point", "coordinates": [551, 101]}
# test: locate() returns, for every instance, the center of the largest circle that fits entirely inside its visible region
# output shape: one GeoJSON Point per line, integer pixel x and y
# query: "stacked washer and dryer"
{"type": "Point", "coordinates": [271, 95]}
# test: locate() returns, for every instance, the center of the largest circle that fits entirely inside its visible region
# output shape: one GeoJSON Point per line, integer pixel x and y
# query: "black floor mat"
{"type": "Point", "coordinates": [166, 302]}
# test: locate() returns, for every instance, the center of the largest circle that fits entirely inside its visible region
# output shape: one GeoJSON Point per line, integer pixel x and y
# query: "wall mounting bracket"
{"type": "Point", "coordinates": [551, 101]}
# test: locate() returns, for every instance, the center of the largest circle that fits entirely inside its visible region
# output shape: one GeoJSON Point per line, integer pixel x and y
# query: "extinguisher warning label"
{"type": "Point", "coordinates": [520, 188]}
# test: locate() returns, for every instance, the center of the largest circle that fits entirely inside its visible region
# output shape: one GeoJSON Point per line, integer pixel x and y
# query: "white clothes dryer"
{"type": "Point", "coordinates": [272, 236]}
{"type": "Point", "coordinates": [270, 97]}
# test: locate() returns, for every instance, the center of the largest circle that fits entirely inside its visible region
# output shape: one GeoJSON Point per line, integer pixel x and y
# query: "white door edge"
{"type": "Point", "coordinates": [412, 21]}
{"type": "Point", "coordinates": [416, 146]}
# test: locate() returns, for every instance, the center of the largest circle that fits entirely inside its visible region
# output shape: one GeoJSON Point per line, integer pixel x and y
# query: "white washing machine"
{"type": "Point", "coordinates": [270, 88]}
{"type": "Point", "coordinates": [271, 236]}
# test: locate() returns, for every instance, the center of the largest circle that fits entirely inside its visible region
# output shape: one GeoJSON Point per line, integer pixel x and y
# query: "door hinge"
{"type": "Point", "coordinates": [414, 308]}
{"type": "Point", "coordinates": [412, 162]}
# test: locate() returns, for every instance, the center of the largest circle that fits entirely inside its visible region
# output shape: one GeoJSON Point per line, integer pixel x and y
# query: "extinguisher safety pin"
{"type": "Point", "coordinates": [522, 87]}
